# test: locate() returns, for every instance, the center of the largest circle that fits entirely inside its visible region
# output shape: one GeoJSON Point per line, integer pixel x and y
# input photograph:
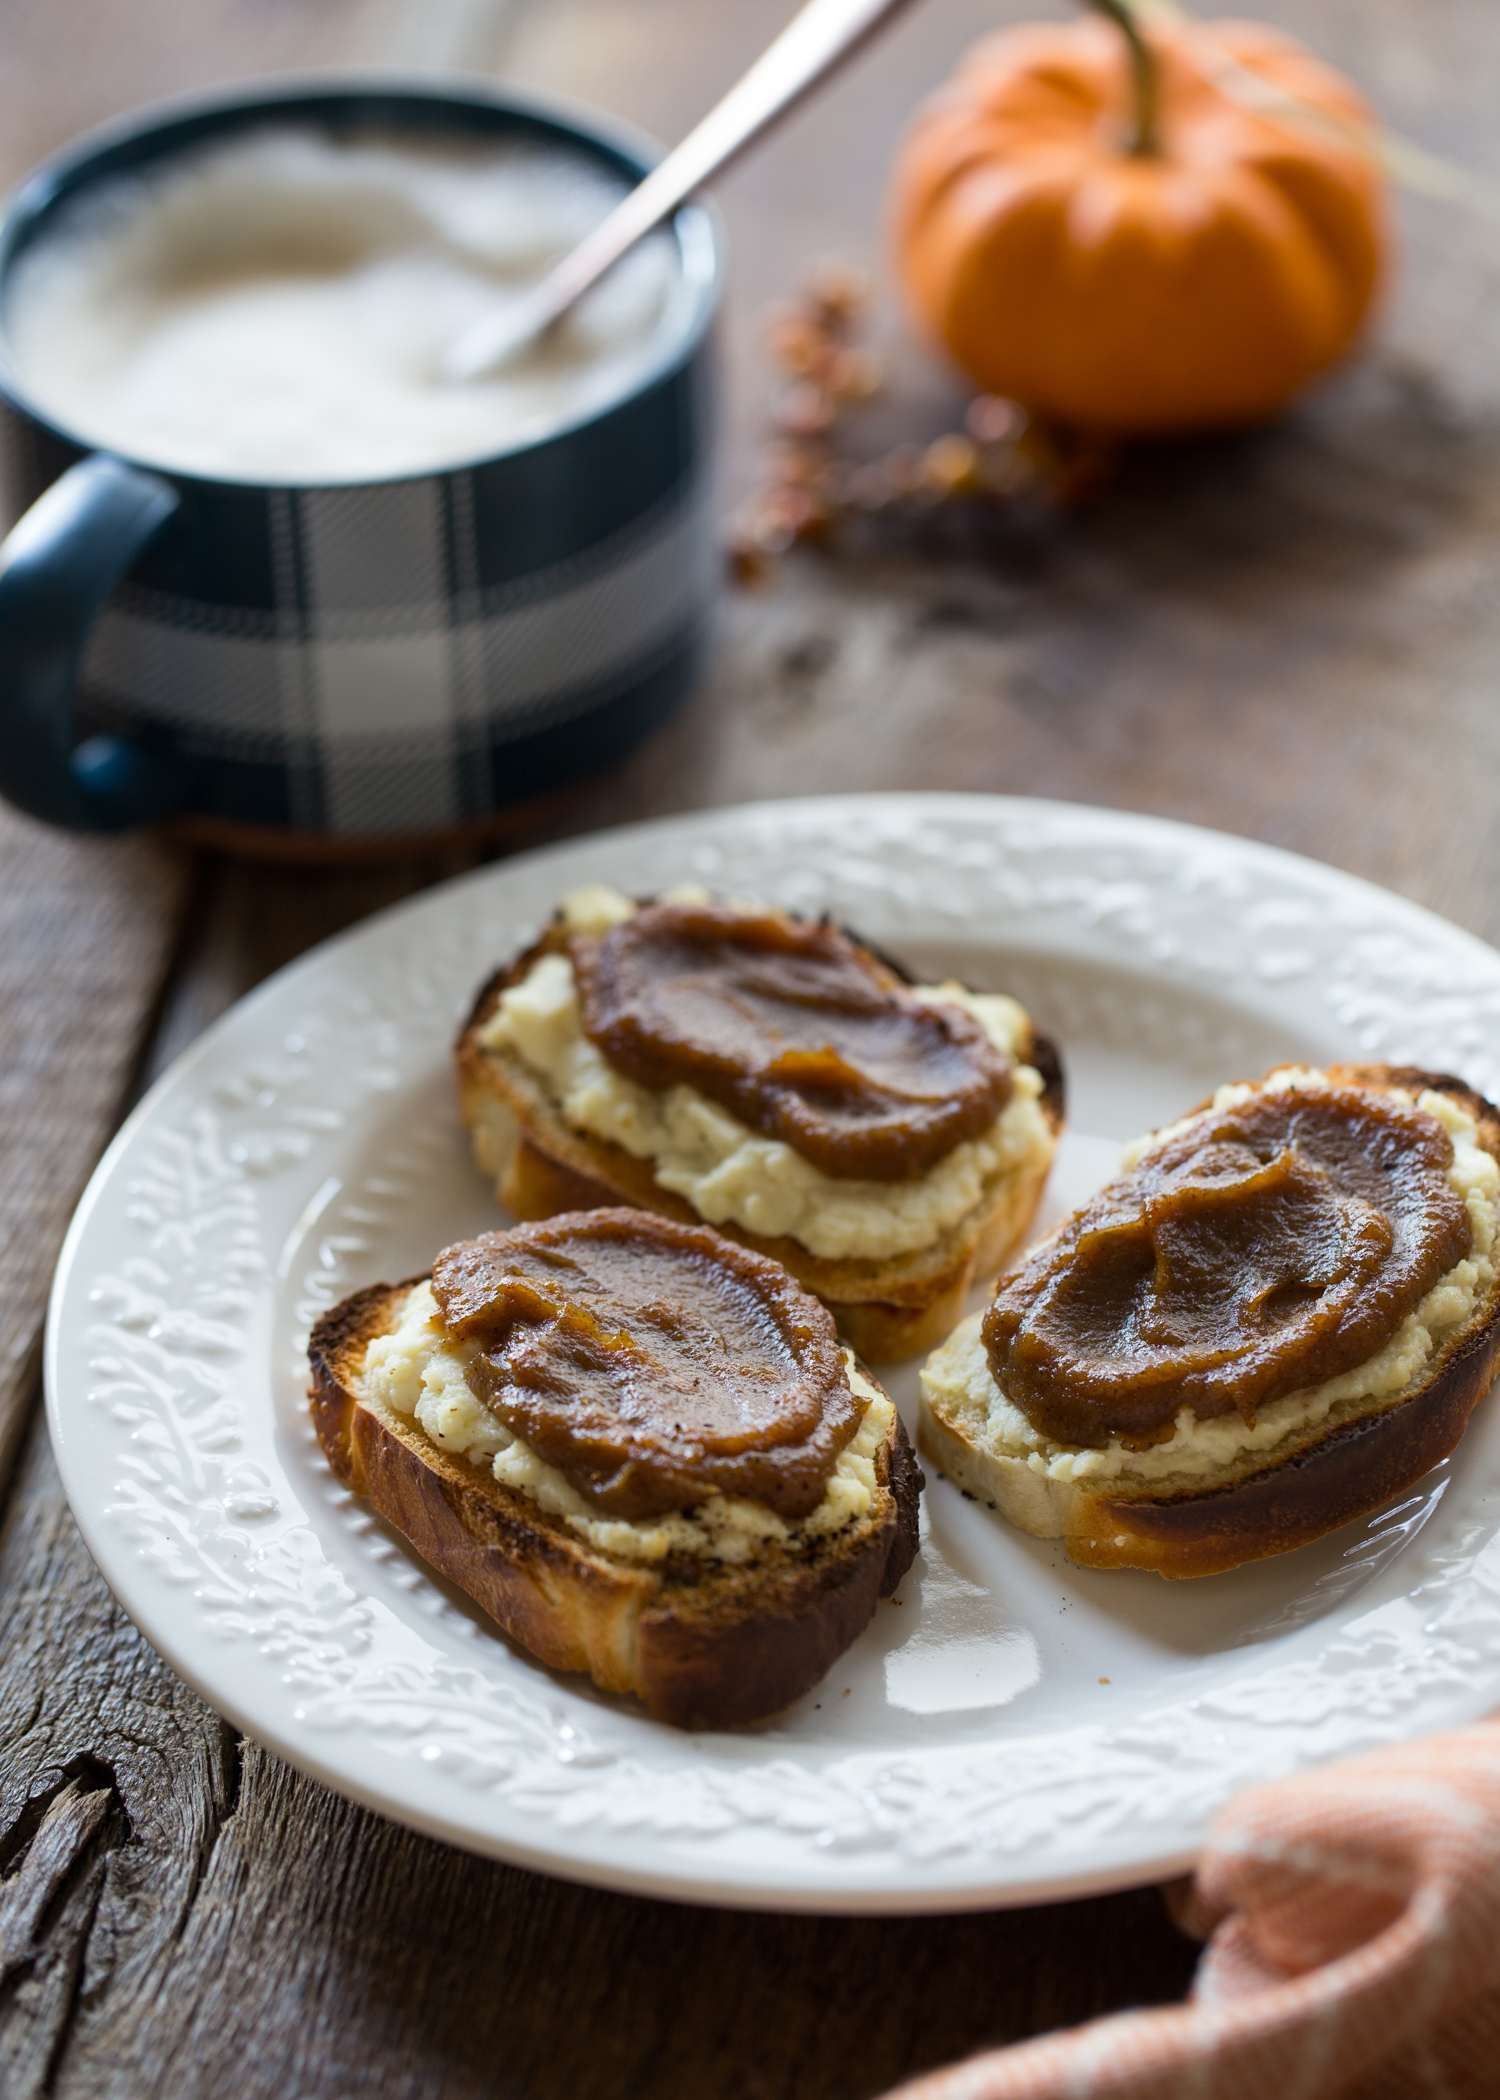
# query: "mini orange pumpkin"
{"type": "Point", "coordinates": [1096, 228]}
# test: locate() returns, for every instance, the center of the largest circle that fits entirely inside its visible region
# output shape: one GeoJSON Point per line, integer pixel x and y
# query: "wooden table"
{"type": "Point", "coordinates": [1294, 636]}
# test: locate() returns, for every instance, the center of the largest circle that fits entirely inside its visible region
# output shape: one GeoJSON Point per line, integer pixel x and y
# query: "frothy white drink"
{"type": "Point", "coordinates": [274, 308]}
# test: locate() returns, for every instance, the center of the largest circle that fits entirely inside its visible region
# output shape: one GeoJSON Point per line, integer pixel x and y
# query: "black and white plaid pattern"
{"type": "Point", "coordinates": [411, 654]}
{"type": "Point", "coordinates": [385, 682]}
{"type": "Point", "coordinates": [386, 659]}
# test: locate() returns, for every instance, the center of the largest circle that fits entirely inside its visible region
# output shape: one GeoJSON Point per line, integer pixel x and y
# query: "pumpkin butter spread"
{"type": "Point", "coordinates": [773, 1072]}
{"type": "Point", "coordinates": [661, 1390]}
{"type": "Point", "coordinates": [1295, 1252]}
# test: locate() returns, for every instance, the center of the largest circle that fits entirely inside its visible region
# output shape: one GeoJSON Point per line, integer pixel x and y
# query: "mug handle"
{"type": "Point", "coordinates": [57, 568]}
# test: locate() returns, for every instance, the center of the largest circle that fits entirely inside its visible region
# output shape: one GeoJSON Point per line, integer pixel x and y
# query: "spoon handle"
{"type": "Point", "coordinates": [813, 43]}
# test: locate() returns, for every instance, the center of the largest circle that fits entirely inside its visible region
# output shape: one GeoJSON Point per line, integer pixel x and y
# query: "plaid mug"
{"type": "Point", "coordinates": [344, 665]}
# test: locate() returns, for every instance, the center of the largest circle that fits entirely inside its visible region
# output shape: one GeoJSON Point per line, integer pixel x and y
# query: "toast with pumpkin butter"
{"type": "Point", "coordinates": [774, 1077]}
{"type": "Point", "coordinates": [1280, 1315]}
{"type": "Point", "coordinates": [641, 1449]}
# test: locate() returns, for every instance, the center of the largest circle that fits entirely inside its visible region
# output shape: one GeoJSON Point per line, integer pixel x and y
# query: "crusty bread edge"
{"type": "Point", "coordinates": [885, 1310]}
{"type": "Point", "coordinates": [711, 1650]}
{"type": "Point", "coordinates": [1344, 1473]}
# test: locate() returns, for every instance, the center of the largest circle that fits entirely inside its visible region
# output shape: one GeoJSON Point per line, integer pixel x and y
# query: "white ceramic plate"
{"type": "Point", "coordinates": [1015, 1728]}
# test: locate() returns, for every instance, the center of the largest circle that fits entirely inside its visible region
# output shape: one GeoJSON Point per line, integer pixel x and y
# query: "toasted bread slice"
{"type": "Point", "coordinates": [703, 1643]}
{"type": "Point", "coordinates": [1330, 1464]}
{"type": "Point", "coordinates": [885, 1309]}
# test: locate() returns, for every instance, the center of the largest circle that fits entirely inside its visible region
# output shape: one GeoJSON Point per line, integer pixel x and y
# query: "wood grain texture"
{"type": "Point", "coordinates": [83, 1699]}
{"type": "Point", "coordinates": [1295, 635]}
{"type": "Point", "coordinates": [87, 929]}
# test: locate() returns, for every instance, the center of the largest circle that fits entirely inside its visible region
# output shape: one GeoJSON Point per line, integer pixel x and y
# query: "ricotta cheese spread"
{"type": "Point", "coordinates": [415, 1370]}
{"type": "Point", "coordinates": [727, 1171]}
{"type": "Point", "coordinates": [958, 1383]}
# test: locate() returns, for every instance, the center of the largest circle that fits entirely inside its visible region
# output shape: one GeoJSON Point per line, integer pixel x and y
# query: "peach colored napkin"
{"type": "Point", "coordinates": [1354, 1951]}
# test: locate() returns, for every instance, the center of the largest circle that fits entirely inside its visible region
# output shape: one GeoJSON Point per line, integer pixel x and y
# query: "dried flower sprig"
{"type": "Point", "coordinates": [812, 490]}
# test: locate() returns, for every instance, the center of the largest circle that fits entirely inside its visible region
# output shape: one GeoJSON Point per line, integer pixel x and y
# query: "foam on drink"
{"type": "Point", "coordinates": [273, 307]}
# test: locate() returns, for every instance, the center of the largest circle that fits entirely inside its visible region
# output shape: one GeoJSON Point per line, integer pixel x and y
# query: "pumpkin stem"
{"type": "Point", "coordinates": [1143, 64]}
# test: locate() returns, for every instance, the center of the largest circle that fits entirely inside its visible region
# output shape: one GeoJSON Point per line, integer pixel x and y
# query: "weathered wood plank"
{"type": "Point", "coordinates": [58, 1876]}
{"type": "Point", "coordinates": [82, 1697]}
{"type": "Point", "coordinates": [87, 930]}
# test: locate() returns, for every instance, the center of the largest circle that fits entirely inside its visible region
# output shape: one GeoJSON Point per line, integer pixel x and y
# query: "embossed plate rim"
{"type": "Point", "coordinates": [243, 1600]}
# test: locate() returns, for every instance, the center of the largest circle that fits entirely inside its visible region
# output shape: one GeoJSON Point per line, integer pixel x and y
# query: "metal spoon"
{"type": "Point", "coordinates": [813, 43]}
